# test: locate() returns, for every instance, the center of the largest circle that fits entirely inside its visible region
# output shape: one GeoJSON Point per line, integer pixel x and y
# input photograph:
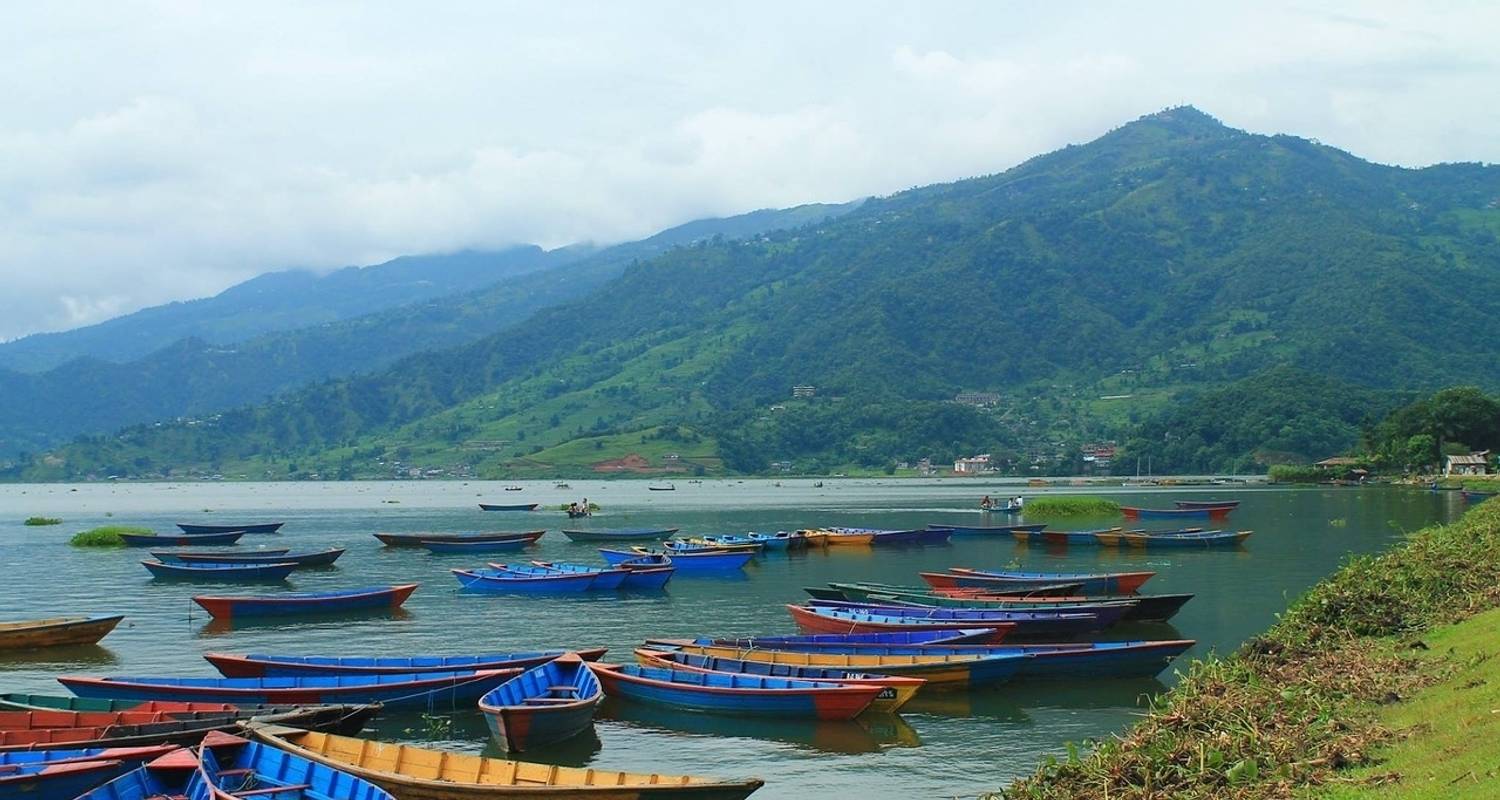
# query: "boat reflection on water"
{"type": "Point", "coordinates": [310, 623]}
{"type": "Point", "coordinates": [465, 731]}
{"type": "Point", "coordinates": [1091, 694]}
{"type": "Point", "coordinates": [58, 659]}
{"type": "Point", "coordinates": [867, 733]}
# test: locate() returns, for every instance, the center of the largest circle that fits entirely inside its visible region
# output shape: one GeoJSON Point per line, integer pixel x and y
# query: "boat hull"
{"type": "Point", "coordinates": [262, 527]}
{"type": "Point", "coordinates": [225, 573]}
{"type": "Point", "coordinates": [643, 535]}
{"type": "Point", "coordinates": [420, 690]}
{"type": "Point", "coordinates": [57, 631]}
{"type": "Point", "coordinates": [816, 701]}
{"type": "Point", "coordinates": [895, 691]}
{"type": "Point", "coordinates": [296, 604]}
{"type": "Point", "coordinates": [503, 582]}
{"type": "Point", "coordinates": [269, 666]}
{"type": "Point", "coordinates": [549, 703]}
{"type": "Point", "coordinates": [508, 506]}
{"type": "Point", "coordinates": [416, 539]}
{"type": "Point", "coordinates": [941, 672]}
{"type": "Point", "coordinates": [184, 540]}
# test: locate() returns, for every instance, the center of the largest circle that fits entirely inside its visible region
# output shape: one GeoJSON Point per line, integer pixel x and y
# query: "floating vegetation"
{"type": "Point", "coordinates": [36, 521]}
{"type": "Point", "coordinates": [1065, 506]}
{"type": "Point", "coordinates": [564, 507]}
{"type": "Point", "coordinates": [107, 536]}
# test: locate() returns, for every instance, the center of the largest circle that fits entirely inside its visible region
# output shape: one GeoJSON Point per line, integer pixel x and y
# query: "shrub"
{"type": "Point", "coordinates": [1051, 507]}
{"type": "Point", "coordinates": [43, 521]}
{"type": "Point", "coordinates": [107, 536]}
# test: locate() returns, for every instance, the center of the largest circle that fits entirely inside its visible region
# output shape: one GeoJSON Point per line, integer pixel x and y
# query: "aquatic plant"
{"type": "Point", "coordinates": [106, 536]}
{"type": "Point", "coordinates": [1070, 506]}
{"type": "Point", "coordinates": [42, 521]}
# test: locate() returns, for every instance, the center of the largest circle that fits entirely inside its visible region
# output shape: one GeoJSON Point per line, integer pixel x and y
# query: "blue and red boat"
{"type": "Point", "coordinates": [275, 571]}
{"type": "Point", "coordinates": [66, 773]}
{"type": "Point", "coordinates": [256, 665]}
{"type": "Point", "coordinates": [398, 690]}
{"type": "Point", "coordinates": [736, 695]}
{"type": "Point", "coordinates": [1211, 505]}
{"type": "Point", "coordinates": [646, 573]}
{"type": "Point", "coordinates": [230, 607]}
{"type": "Point", "coordinates": [549, 703]}
{"type": "Point", "coordinates": [1126, 659]}
{"type": "Point", "coordinates": [606, 579]}
{"type": "Point", "coordinates": [1089, 583]}
{"type": "Point", "coordinates": [491, 579]}
{"type": "Point", "coordinates": [895, 690]}
{"type": "Point", "coordinates": [892, 639]}
{"type": "Point", "coordinates": [1133, 512]}
{"type": "Point", "coordinates": [706, 561]}
{"type": "Point", "coordinates": [824, 617]}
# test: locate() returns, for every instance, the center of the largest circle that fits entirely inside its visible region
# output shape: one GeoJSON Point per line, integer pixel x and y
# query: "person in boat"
{"type": "Point", "coordinates": [986, 502]}
{"type": "Point", "coordinates": [1018, 502]}
{"type": "Point", "coordinates": [573, 507]}
{"type": "Point", "coordinates": [583, 507]}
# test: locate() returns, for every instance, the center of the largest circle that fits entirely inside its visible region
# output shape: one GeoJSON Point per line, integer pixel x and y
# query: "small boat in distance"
{"type": "Point", "coordinates": [183, 540]}
{"type": "Point", "coordinates": [508, 506]}
{"type": "Point", "coordinates": [55, 631]}
{"type": "Point", "coordinates": [228, 607]}
{"type": "Point", "coordinates": [320, 558]}
{"type": "Point", "coordinates": [661, 487]}
{"type": "Point", "coordinates": [619, 534]}
{"type": "Point", "coordinates": [255, 527]}
{"type": "Point", "coordinates": [513, 488]}
{"type": "Point", "coordinates": [1209, 504]}
{"type": "Point", "coordinates": [417, 539]}
{"type": "Point", "coordinates": [1132, 512]}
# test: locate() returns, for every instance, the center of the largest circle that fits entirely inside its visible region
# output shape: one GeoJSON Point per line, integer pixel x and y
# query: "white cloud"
{"type": "Point", "coordinates": [158, 151]}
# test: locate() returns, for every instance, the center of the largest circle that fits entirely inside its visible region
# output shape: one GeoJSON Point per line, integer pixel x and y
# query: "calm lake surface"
{"type": "Point", "coordinates": [942, 745]}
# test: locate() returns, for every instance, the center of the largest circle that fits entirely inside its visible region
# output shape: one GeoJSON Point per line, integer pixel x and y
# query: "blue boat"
{"type": "Point", "coordinates": [1085, 538]}
{"type": "Point", "coordinates": [914, 536]}
{"type": "Point", "coordinates": [219, 572]}
{"type": "Point", "coordinates": [1154, 540]}
{"type": "Point", "coordinates": [227, 766]}
{"type": "Point", "coordinates": [895, 691]}
{"type": "Point", "coordinates": [319, 558]}
{"type": "Point", "coordinates": [423, 690]}
{"type": "Point", "coordinates": [710, 561]}
{"type": "Point", "coordinates": [605, 578]}
{"type": "Point", "coordinates": [1126, 659]}
{"type": "Point", "coordinates": [546, 704]}
{"type": "Point", "coordinates": [736, 695]}
{"type": "Point", "coordinates": [1471, 496]}
{"type": "Point", "coordinates": [257, 665]}
{"type": "Point", "coordinates": [1027, 623]}
{"type": "Point", "coordinates": [680, 547]}
{"type": "Point", "coordinates": [491, 579]}
{"type": "Point", "coordinates": [619, 534]}
{"type": "Point", "coordinates": [483, 545]}
{"type": "Point", "coordinates": [894, 639]}
{"type": "Point", "coordinates": [987, 530]}
{"type": "Point", "coordinates": [731, 540]}
{"type": "Point", "coordinates": [231, 607]}
{"type": "Point", "coordinates": [780, 540]}
{"type": "Point", "coordinates": [65, 773]}
{"type": "Point", "coordinates": [253, 527]}
{"type": "Point", "coordinates": [646, 573]}
{"type": "Point", "coordinates": [226, 556]}
{"type": "Point", "coordinates": [179, 540]}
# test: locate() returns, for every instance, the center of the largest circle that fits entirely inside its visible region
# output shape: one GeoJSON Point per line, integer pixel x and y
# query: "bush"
{"type": "Point", "coordinates": [1289, 473]}
{"type": "Point", "coordinates": [107, 536]}
{"type": "Point", "coordinates": [1051, 507]}
{"type": "Point", "coordinates": [43, 521]}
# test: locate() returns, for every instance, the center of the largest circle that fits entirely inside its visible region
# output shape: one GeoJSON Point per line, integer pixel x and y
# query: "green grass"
{"type": "Point", "coordinates": [1450, 745]}
{"type": "Point", "coordinates": [107, 536]}
{"type": "Point", "coordinates": [37, 521]}
{"type": "Point", "coordinates": [1065, 506]}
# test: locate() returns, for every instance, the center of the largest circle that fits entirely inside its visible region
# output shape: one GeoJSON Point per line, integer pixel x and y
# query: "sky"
{"type": "Point", "coordinates": [161, 151]}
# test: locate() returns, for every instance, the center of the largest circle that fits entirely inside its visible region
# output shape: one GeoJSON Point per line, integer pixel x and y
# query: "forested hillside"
{"type": "Point", "coordinates": [1171, 255]}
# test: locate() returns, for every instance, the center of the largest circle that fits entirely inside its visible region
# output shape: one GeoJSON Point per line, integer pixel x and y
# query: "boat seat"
{"type": "Point", "coordinates": [563, 689]}
{"type": "Point", "coordinates": [291, 787]}
{"type": "Point", "coordinates": [548, 700]}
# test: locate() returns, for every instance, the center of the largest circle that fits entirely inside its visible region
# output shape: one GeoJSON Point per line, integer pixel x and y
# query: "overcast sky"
{"type": "Point", "coordinates": [160, 151]}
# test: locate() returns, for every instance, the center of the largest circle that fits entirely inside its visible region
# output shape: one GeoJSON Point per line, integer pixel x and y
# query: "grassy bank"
{"type": "Point", "coordinates": [1299, 709]}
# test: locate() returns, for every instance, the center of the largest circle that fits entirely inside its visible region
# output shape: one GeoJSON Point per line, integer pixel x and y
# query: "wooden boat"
{"type": "Point", "coordinates": [1064, 538]}
{"type": "Point", "coordinates": [1208, 504]}
{"type": "Point", "coordinates": [836, 538]}
{"type": "Point", "coordinates": [254, 527]}
{"type": "Point", "coordinates": [1029, 623]}
{"type": "Point", "coordinates": [1128, 659]}
{"type": "Point", "coordinates": [228, 607]}
{"type": "Point", "coordinates": [914, 536]}
{"type": "Point", "coordinates": [951, 580]}
{"type": "Point", "coordinates": [855, 596]}
{"type": "Point", "coordinates": [1147, 540]}
{"type": "Point", "coordinates": [1088, 582]}
{"type": "Point", "coordinates": [606, 579]}
{"type": "Point", "coordinates": [442, 547]}
{"type": "Point", "coordinates": [736, 695]}
{"type": "Point", "coordinates": [576, 513]}
{"type": "Point", "coordinates": [620, 534]}
{"type": "Point", "coordinates": [226, 556]}
{"type": "Point", "coordinates": [941, 671]}
{"type": "Point", "coordinates": [508, 506]}
{"type": "Point", "coordinates": [667, 487]}
{"type": "Point", "coordinates": [318, 558]}
{"type": "Point", "coordinates": [219, 572]}
{"type": "Point", "coordinates": [895, 691]}
{"type": "Point", "coordinates": [891, 639]}
{"type": "Point", "coordinates": [54, 631]}
{"type": "Point", "coordinates": [711, 544]}
{"type": "Point", "coordinates": [256, 665]}
{"type": "Point", "coordinates": [182, 728]}
{"type": "Point", "coordinates": [547, 704]}
{"type": "Point", "coordinates": [399, 690]}
{"type": "Point", "coordinates": [707, 561]}
{"type": "Point", "coordinates": [936, 535]}
{"type": "Point", "coordinates": [1131, 512]}
{"type": "Point", "coordinates": [415, 773]}
{"type": "Point", "coordinates": [987, 530]}
{"type": "Point", "coordinates": [183, 540]}
{"type": "Point", "coordinates": [66, 773]}
{"type": "Point", "coordinates": [491, 579]}
{"type": "Point", "coordinates": [25, 701]}
{"type": "Point", "coordinates": [645, 573]}
{"type": "Point", "coordinates": [417, 539]}
{"type": "Point", "coordinates": [1008, 508]}
{"type": "Point", "coordinates": [810, 621]}
{"type": "Point", "coordinates": [780, 540]}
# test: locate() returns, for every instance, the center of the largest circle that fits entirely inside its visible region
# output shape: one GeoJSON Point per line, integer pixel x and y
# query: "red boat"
{"type": "Point", "coordinates": [1219, 512]}
{"type": "Point", "coordinates": [810, 621]}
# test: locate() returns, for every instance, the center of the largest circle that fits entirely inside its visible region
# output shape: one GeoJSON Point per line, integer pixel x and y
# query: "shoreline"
{"type": "Point", "coordinates": [1298, 707]}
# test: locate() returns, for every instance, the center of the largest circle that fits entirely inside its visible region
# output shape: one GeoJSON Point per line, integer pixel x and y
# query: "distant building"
{"type": "Point", "coordinates": [978, 399]}
{"type": "Point", "coordinates": [1337, 462]}
{"type": "Point", "coordinates": [972, 466]}
{"type": "Point", "coordinates": [671, 458]}
{"type": "Point", "coordinates": [804, 391]}
{"type": "Point", "coordinates": [924, 466]}
{"type": "Point", "coordinates": [1471, 464]}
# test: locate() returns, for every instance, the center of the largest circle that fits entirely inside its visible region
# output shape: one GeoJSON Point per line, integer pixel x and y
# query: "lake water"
{"type": "Point", "coordinates": [942, 745]}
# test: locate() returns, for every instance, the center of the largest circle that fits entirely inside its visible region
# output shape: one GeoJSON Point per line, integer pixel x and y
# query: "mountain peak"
{"type": "Point", "coordinates": [1183, 121]}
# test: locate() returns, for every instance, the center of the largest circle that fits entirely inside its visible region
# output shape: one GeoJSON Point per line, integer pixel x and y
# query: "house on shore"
{"type": "Point", "coordinates": [1477, 463]}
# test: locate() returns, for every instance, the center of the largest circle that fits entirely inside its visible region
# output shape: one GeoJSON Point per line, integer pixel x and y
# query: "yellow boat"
{"type": "Point", "coordinates": [848, 538]}
{"type": "Point", "coordinates": [941, 672]}
{"type": "Point", "coordinates": [415, 773]}
{"type": "Point", "coordinates": [815, 537]}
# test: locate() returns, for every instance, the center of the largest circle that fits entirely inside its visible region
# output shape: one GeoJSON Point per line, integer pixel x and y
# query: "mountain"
{"type": "Point", "coordinates": [277, 301]}
{"type": "Point", "coordinates": [194, 377]}
{"type": "Point", "coordinates": [1088, 290]}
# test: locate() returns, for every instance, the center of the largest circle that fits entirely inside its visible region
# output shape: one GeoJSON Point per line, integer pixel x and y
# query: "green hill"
{"type": "Point", "coordinates": [1089, 288]}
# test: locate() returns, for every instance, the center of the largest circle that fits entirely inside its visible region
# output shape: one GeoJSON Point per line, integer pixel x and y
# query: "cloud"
{"type": "Point", "coordinates": [157, 152]}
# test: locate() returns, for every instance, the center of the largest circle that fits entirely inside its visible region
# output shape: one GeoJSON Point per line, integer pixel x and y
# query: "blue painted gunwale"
{"type": "Point", "coordinates": [490, 579]}
{"type": "Point", "coordinates": [395, 690]}
{"type": "Point", "coordinates": [277, 571]}
{"type": "Point", "coordinates": [606, 579]}
{"type": "Point", "coordinates": [727, 693]}
{"type": "Point", "coordinates": [279, 666]}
